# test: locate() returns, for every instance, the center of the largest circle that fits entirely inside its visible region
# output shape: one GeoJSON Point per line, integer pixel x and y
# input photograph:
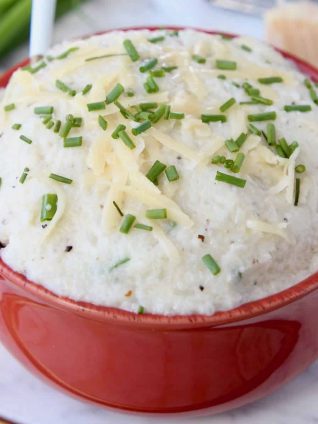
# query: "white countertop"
{"type": "Point", "coordinates": [27, 400]}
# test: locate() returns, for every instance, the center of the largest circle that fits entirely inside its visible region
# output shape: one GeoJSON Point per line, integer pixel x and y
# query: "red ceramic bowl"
{"type": "Point", "coordinates": [154, 363]}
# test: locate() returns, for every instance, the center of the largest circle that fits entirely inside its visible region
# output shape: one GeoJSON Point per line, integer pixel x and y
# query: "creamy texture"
{"type": "Point", "coordinates": [261, 241]}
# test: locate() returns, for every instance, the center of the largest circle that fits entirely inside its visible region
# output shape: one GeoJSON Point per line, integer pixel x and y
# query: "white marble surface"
{"type": "Point", "coordinates": [27, 400]}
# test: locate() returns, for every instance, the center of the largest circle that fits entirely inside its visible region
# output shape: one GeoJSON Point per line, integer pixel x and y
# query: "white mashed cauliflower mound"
{"type": "Point", "coordinates": [261, 241]}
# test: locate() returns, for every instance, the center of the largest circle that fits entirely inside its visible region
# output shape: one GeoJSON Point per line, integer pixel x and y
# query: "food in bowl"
{"type": "Point", "coordinates": [167, 172]}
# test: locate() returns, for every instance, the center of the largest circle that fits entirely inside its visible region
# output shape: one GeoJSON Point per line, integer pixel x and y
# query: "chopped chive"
{"type": "Point", "coordinates": [102, 122]}
{"type": "Point", "coordinates": [127, 223]}
{"type": "Point", "coordinates": [126, 139]}
{"type": "Point", "coordinates": [293, 146]}
{"type": "Point", "coordinates": [262, 100]}
{"type": "Point", "coordinates": [119, 263]}
{"type": "Point", "coordinates": [156, 213]}
{"type": "Point", "coordinates": [147, 106]}
{"type": "Point", "coordinates": [213, 118]}
{"type": "Point", "coordinates": [280, 151]}
{"type": "Point", "coordinates": [49, 206]}
{"type": "Point", "coordinates": [158, 114]}
{"type": "Point", "coordinates": [253, 130]}
{"type": "Point", "coordinates": [221, 76]}
{"type": "Point", "coordinates": [141, 128]}
{"type": "Point", "coordinates": [157, 39]}
{"type": "Point", "coordinates": [141, 310]}
{"type": "Point", "coordinates": [77, 122]}
{"type": "Point", "coordinates": [218, 159]}
{"type": "Point", "coordinates": [297, 108]}
{"type": "Point", "coordinates": [118, 208]}
{"type": "Point", "coordinates": [66, 128]}
{"type": "Point", "coordinates": [231, 145]}
{"type": "Point", "coordinates": [35, 69]}
{"type": "Point", "coordinates": [227, 104]}
{"type": "Point", "coordinates": [9, 107]}
{"type": "Point", "coordinates": [148, 64]}
{"type": "Point", "coordinates": [297, 191]}
{"type": "Point", "coordinates": [65, 88]}
{"type": "Point", "coordinates": [241, 139]}
{"type": "Point", "coordinates": [270, 80]}
{"type": "Point", "coordinates": [176, 115]}
{"type": "Point", "coordinates": [312, 92]}
{"type": "Point", "coordinates": [87, 89]}
{"type": "Point", "coordinates": [284, 146]}
{"type": "Point", "coordinates": [167, 112]}
{"type": "Point", "coordinates": [143, 227]}
{"type": "Point", "coordinates": [117, 130]}
{"type": "Point", "coordinates": [143, 116]}
{"type": "Point", "coordinates": [43, 110]}
{"type": "Point", "coordinates": [169, 68]}
{"type": "Point", "coordinates": [172, 173]}
{"type": "Point", "coordinates": [156, 169]}
{"type": "Point", "coordinates": [237, 85]}
{"type": "Point", "coordinates": [129, 92]}
{"type": "Point", "coordinates": [60, 179]}
{"type": "Point", "coordinates": [249, 102]}
{"type": "Point", "coordinates": [229, 163]}
{"type": "Point", "coordinates": [16, 126]}
{"type": "Point", "coordinates": [104, 56]}
{"type": "Point", "coordinates": [271, 134]}
{"type": "Point", "coordinates": [230, 179]}
{"type": "Point", "coordinates": [26, 139]}
{"type": "Point", "coordinates": [227, 65]}
{"type": "Point", "coordinates": [47, 119]}
{"type": "Point", "coordinates": [96, 106]}
{"type": "Point", "coordinates": [300, 168]}
{"type": "Point", "coordinates": [238, 162]}
{"type": "Point", "coordinates": [49, 125]}
{"type": "Point", "coordinates": [250, 90]}
{"type": "Point", "coordinates": [57, 126]}
{"type": "Point", "coordinates": [73, 141]}
{"type": "Point", "coordinates": [115, 93]}
{"type": "Point", "coordinates": [246, 48]}
{"type": "Point", "coordinates": [125, 112]}
{"type": "Point", "coordinates": [65, 54]}
{"type": "Point", "coordinates": [131, 50]}
{"type": "Point", "coordinates": [199, 59]}
{"type": "Point", "coordinates": [157, 73]}
{"type": "Point", "coordinates": [266, 116]}
{"type": "Point", "coordinates": [150, 85]}
{"type": "Point", "coordinates": [211, 264]}
{"type": "Point", "coordinates": [24, 175]}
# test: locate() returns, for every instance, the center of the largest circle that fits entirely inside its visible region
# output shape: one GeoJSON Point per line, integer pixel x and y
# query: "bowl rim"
{"type": "Point", "coordinates": [104, 313]}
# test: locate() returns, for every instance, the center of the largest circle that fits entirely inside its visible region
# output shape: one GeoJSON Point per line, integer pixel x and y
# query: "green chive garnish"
{"type": "Point", "coordinates": [16, 126]}
{"type": "Point", "coordinates": [262, 100]}
{"type": "Point", "coordinates": [49, 207]}
{"type": "Point", "coordinates": [227, 65]}
{"type": "Point", "coordinates": [148, 106]}
{"type": "Point", "coordinates": [26, 139]}
{"type": "Point", "coordinates": [77, 122]}
{"type": "Point", "coordinates": [231, 145]}
{"type": "Point", "coordinates": [199, 59]}
{"type": "Point", "coordinates": [43, 110]}
{"type": "Point", "coordinates": [250, 90]}
{"type": "Point", "coordinates": [143, 227]}
{"type": "Point", "coordinates": [102, 122]}
{"type": "Point", "coordinates": [141, 310]}
{"type": "Point", "coordinates": [211, 264]}
{"type": "Point", "coordinates": [271, 134]}
{"type": "Point", "coordinates": [172, 173]}
{"type": "Point", "coordinates": [157, 39]}
{"type": "Point", "coordinates": [230, 179]}
{"type": "Point", "coordinates": [126, 139]}
{"type": "Point", "coordinates": [141, 128]}
{"type": "Point", "coordinates": [24, 175]}
{"type": "Point", "coordinates": [158, 114]}
{"type": "Point", "coordinates": [227, 104]}
{"type": "Point", "coordinates": [241, 139]}
{"type": "Point", "coordinates": [297, 108]}
{"type": "Point", "coordinates": [150, 85]}
{"type": "Point", "coordinates": [129, 92]}
{"type": "Point", "coordinates": [148, 64]}
{"type": "Point", "coordinates": [117, 130]}
{"type": "Point", "coordinates": [127, 223]}
{"type": "Point", "coordinates": [47, 119]}
{"type": "Point", "coordinates": [297, 191]}
{"type": "Point", "coordinates": [253, 130]}
{"type": "Point", "coordinates": [169, 68]}
{"type": "Point", "coordinates": [238, 162]}
{"type": "Point", "coordinates": [176, 115]}
{"type": "Point", "coordinates": [154, 172]}
{"type": "Point", "coordinates": [65, 54]}
{"type": "Point", "coordinates": [280, 151]}
{"type": "Point", "coordinates": [125, 112]}
{"type": "Point", "coordinates": [157, 73]}
{"type": "Point", "coordinates": [156, 213]}
{"type": "Point", "coordinates": [115, 93]}
{"type": "Point", "coordinates": [218, 159]}
{"type": "Point", "coordinates": [229, 163]}
{"type": "Point", "coordinates": [60, 179]}
{"type": "Point", "coordinates": [96, 106]}
{"type": "Point", "coordinates": [86, 89]}
{"type": "Point", "coordinates": [118, 208]}
{"type": "Point", "coordinates": [266, 116]}
{"type": "Point", "coordinates": [293, 146]}
{"type": "Point", "coordinates": [49, 125]}
{"type": "Point", "coordinates": [246, 48]}
{"type": "Point", "coordinates": [9, 107]}
{"type": "Point", "coordinates": [131, 50]}
{"type": "Point", "coordinates": [104, 56]}
{"type": "Point", "coordinates": [221, 76]}
{"type": "Point", "coordinates": [300, 168]}
{"type": "Point", "coordinates": [213, 118]}
{"type": "Point", "coordinates": [284, 146]}
{"type": "Point", "coordinates": [270, 80]}
{"type": "Point", "coordinates": [73, 142]}
{"type": "Point", "coordinates": [65, 88]}
{"type": "Point", "coordinates": [35, 69]}
{"type": "Point", "coordinates": [117, 264]}
{"type": "Point", "coordinates": [312, 92]}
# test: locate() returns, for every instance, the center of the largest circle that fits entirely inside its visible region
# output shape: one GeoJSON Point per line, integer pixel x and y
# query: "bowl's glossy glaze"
{"type": "Point", "coordinates": [161, 364]}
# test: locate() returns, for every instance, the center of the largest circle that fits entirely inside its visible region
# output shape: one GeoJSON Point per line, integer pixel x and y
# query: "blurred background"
{"type": "Point", "coordinates": [292, 25]}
